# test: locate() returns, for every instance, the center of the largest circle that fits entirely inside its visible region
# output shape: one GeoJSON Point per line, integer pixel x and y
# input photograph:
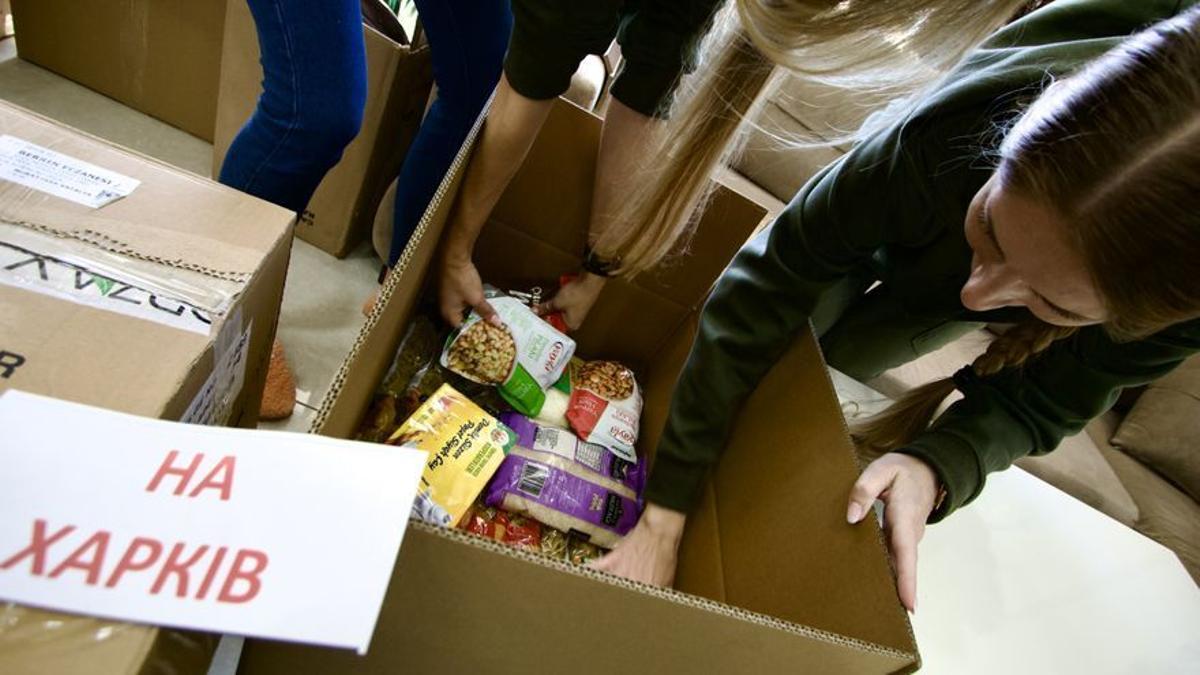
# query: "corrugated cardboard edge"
{"type": "Point", "coordinates": [667, 594]}
{"type": "Point", "coordinates": [659, 592]}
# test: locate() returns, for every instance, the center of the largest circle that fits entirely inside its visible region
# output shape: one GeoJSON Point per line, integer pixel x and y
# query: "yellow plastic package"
{"type": "Point", "coordinates": [466, 446]}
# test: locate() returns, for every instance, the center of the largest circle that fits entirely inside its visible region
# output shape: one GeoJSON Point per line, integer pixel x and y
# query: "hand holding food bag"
{"type": "Point", "coordinates": [522, 358]}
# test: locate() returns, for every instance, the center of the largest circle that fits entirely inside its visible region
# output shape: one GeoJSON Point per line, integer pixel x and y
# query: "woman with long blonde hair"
{"type": "Point", "coordinates": [1051, 180]}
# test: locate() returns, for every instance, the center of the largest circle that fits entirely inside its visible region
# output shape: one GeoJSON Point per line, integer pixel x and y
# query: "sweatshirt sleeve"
{"type": "Point", "coordinates": [769, 291]}
{"type": "Point", "coordinates": [1029, 410]}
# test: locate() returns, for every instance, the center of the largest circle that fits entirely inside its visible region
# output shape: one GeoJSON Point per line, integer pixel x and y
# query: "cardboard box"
{"type": "Point", "coordinates": [399, 77]}
{"type": "Point", "coordinates": [770, 576]}
{"type": "Point", "coordinates": [162, 303]}
{"type": "Point", "coordinates": [161, 57]}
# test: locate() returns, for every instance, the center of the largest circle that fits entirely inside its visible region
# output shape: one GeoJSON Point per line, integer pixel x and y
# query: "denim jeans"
{"type": "Point", "coordinates": [314, 91]}
{"type": "Point", "coordinates": [467, 39]}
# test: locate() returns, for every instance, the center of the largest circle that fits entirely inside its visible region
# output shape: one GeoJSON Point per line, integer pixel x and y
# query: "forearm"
{"type": "Point", "coordinates": [513, 123]}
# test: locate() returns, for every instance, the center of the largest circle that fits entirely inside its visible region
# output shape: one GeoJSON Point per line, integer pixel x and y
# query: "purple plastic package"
{"type": "Point", "coordinates": [535, 484]}
{"type": "Point", "coordinates": [564, 443]}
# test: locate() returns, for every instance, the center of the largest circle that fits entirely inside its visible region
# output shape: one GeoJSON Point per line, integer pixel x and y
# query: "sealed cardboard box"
{"type": "Point", "coordinates": [161, 57]}
{"type": "Point", "coordinates": [133, 286]}
{"type": "Point", "coordinates": [399, 77]}
{"type": "Point", "coordinates": [770, 576]}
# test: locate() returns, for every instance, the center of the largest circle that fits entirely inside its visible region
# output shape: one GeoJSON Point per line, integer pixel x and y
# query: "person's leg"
{"type": "Point", "coordinates": [314, 91]}
{"type": "Point", "coordinates": [876, 333]}
{"type": "Point", "coordinates": [467, 39]}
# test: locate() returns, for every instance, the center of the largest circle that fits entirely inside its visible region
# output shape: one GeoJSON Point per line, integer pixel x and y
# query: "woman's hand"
{"type": "Point", "coordinates": [650, 550]}
{"type": "Point", "coordinates": [908, 488]}
{"type": "Point", "coordinates": [460, 288]}
{"type": "Point", "coordinates": [574, 299]}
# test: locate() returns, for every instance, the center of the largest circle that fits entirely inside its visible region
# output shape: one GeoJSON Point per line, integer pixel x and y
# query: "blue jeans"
{"type": "Point", "coordinates": [467, 39]}
{"type": "Point", "coordinates": [314, 91]}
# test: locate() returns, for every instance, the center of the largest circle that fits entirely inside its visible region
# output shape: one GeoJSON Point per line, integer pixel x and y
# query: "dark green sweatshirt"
{"type": "Point", "coordinates": [898, 201]}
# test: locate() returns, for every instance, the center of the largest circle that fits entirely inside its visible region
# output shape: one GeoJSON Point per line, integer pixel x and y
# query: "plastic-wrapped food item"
{"type": "Point", "coordinates": [522, 358]}
{"type": "Point", "coordinates": [554, 543]}
{"type": "Point", "coordinates": [558, 492]}
{"type": "Point", "coordinates": [608, 470]}
{"type": "Point", "coordinates": [465, 445]}
{"type": "Point", "coordinates": [512, 529]}
{"type": "Point", "coordinates": [418, 349]}
{"type": "Point", "coordinates": [580, 552]}
{"type": "Point", "coordinates": [606, 406]}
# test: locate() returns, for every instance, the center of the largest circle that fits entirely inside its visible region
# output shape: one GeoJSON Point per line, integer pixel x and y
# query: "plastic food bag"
{"type": "Point", "coordinates": [465, 445]}
{"type": "Point", "coordinates": [608, 469]}
{"type": "Point", "coordinates": [606, 406]}
{"type": "Point", "coordinates": [514, 530]}
{"type": "Point", "coordinates": [522, 359]}
{"type": "Point", "coordinates": [559, 493]}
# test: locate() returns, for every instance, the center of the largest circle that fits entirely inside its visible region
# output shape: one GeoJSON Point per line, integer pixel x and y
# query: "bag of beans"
{"type": "Point", "coordinates": [606, 406]}
{"type": "Point", "coordinates": [523, 358]}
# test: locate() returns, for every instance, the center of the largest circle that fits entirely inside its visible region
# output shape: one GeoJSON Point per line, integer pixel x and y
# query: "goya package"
{"type": "Point", "coordinates": [522, 358]}
{"type": "Point", "coordinates": [557, 493]}
{"type": "Point", "coordinates": [606, 406]}
{"type": "Point", "coordinates": [608, 469]}
{"type": "Point", "coordinates": [466, 446]}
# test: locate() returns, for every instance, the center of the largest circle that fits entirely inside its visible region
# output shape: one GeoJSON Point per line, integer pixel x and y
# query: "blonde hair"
{"type": "Point", "coordinates": [890, 50]}
{"type": "Point", "coordinates": [1115, 150]}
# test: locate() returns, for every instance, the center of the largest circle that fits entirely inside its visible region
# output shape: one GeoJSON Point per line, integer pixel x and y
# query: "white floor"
{"type": "Point", "coordinates": [321, 313]}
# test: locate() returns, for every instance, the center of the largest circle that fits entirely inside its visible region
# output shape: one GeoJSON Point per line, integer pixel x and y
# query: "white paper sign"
{"type": "Point", "coordinates": [268, 534]}
{"type": "Point", "coordinates": [61, 175]}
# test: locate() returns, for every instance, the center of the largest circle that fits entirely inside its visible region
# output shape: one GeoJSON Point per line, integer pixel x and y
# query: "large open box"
{"type": "Point", "coordinates": [162, 57]}
{"type": "Point", "coordinates": [399, 77]}
{"type": "Point", "coordinates": [162, 303]}
{"type": "Point", "coordinates": [770, 575]}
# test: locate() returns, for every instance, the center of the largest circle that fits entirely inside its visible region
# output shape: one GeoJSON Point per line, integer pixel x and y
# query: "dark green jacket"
{"type": "Point", "coordinates": [898, 201]}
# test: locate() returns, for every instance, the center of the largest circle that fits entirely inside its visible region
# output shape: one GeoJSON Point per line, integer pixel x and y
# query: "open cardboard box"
{"type": "Point", "coordinates": [770, 575]}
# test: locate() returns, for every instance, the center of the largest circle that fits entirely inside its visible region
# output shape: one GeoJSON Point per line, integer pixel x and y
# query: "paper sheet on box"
{"type": "Point", "coordinates": [268, 534]}
{"type": "Point", "coordinates": [61, 175]}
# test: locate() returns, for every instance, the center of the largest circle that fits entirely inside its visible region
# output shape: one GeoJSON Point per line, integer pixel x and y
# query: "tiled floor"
{"type": "Point", "coordinates": [321, 313]}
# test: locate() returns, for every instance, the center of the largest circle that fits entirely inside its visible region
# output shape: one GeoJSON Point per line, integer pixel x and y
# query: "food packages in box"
{"type": "Point", "coordinates": [523, 358]}
{"type": "Point", "coordinates": [565, 495]}
{"type": "Point", "coordinates": [466, 446]}
{"type": "Point", "coordinates": [564, 443]}
{"type": "Point", "coordinates": [606, 406]}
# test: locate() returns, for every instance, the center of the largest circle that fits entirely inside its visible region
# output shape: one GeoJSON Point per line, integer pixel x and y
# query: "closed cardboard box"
{"type": "Point", "coordinates": [161, 57]}
{"type": "Point", "coordinates": [161, 303]}
{"type": "Point", "coordinates": [770, 575]}
{"type": "Point", "coordinates": [399, 77]}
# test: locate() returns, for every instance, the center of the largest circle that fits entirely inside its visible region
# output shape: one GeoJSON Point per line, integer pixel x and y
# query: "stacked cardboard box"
{"type": "Point", "coordinates": [161, 302]}
{"type": "Point", "coordinates": [161, 57]}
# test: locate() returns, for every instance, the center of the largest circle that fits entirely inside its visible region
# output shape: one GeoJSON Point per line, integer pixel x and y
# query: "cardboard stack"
{"type": "Point", "coordinates": [399, 77]}
{"type": "Point", "coordinates": [770, 575]}
{"type": "Point", "coordinates": [161, 57]}
{"type": "Point", "coordinates": [161, 302]}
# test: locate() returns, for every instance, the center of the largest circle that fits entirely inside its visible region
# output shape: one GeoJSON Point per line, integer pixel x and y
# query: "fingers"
{"type": "Point", "coordinates": [485, 312]}
{"type": "Point", "coordinates": [452, 310]}
{"type": "Point", "coordinates": [873, 481]}
{"type": "Point", "coordinates": [905, 529]}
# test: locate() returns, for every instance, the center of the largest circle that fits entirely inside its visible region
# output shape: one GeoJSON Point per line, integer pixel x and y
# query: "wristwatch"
{"type": "Point", "coordinates": [594, 264]}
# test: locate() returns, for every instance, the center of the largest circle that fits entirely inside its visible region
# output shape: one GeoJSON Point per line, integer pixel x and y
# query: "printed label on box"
{"type": "Point", "coordinates": [73, 281]}
{"type": "Point", "coordinates": [214, 402]}
{"type": "Point", "coordinates": [60, 175]}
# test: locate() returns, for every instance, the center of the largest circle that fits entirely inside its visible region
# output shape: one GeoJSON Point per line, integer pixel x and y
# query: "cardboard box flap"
{"type": "Point", "coordinates": [510, 610]}
{"type": "Point", "coordinates": [785, 477]}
